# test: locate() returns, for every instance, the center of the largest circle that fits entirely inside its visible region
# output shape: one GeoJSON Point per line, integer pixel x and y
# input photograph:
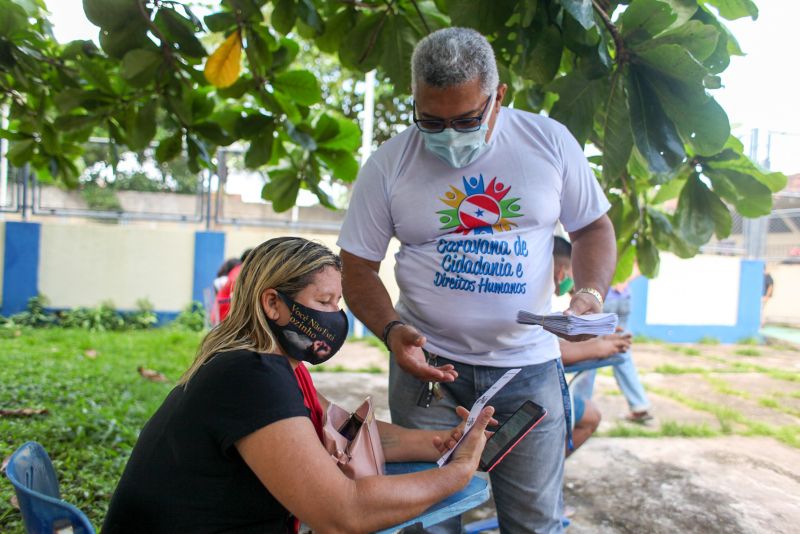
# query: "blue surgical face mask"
{"type": "Point", "coordinates": [458, 149]}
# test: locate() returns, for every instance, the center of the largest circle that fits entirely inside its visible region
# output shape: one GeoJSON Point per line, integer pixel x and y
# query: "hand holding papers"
{"type": "Point", "coordinates": [594, 324]}
{"type": "Point", "coordinates": [476, 409]}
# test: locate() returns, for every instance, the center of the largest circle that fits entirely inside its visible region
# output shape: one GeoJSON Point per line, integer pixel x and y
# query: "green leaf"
{"type": "Point", "coordinates": [362, 48]}
{"type": "Point", "coordinates": [307, 13]}
{"type": "Point", "coordinates": [259, 54]}
{"type": "Point", "coordinates": [673, 61]}
{"type": "Point", "coordinates": [668, 191]}
{"type": "Point", "coordinates": [13, 20]}
{"type": "Point", "coordinates": [301, 135]}
{"type": "Point", "coordinates": [617, 138]}
{"type": "Point", "coordinates": [750, 197]}
{"type": "Point", "coordinates": [181, 31]}
{"type": "Point", "coordinates": [283, 56]}
{"type": "Point", "coordinates": [21, 152]}
{"type": "Point", "coordinates": [116, 43]}
{"type": "Point", "coordinates": [699, 39]}
{"type": "Point", "coordinates": [733, 9]}
{"type": "Point", "coordinates": [283, 16]}
{"type": "Point", "coordinates": [399, 40]}
{"type": "Point", "coordinates": [300, 85]}
{"type": "Point", "coordinates": [139, 66]}
{"type": "Point", "coordinates": [281, 189]}
{"type": "Point", "coordinates": [653, 133]}
{"type": "Point", "coordinates": [287, 105]}
{"type": "Point", "coordinates": [645, 18]}
{"type": "Point", "coordinates": [348, 136]}
{"type": "Point", "coordinates": [486, 16]}
{"type": "Point", "coordinates": [260, 149]}
{"type": "Point", "coordinates": [325, 128]}
{"type": "Point", "coordinates": [581, 10]}
{"type": "Point", "coordinates": [220, 22]}
{"type": "Point", "coordinates": [542, 62]}
{"type": "Point", "coordinates": [336, 27]}
{"type": "Point", "coordinates": [96, 74]}
{"type": "Point", "coordinates": [625, 262]}
{"type": "Point", "coordinates": [141, 126]}
{"type": "Point", "coordinates": [577, 103]}
{"type": "Point", "coordinates": [112, 14]}
{"type": "Point", "coordinates": [700, 213]}
{"type": "Point", "coordinates": [213, 133]}
{"type": "Point", "coordinates": [170, 147]}
{"type": "Point", "coordinates": [254, 125]}
{"type": "Point", "coordinates": [647, 257]}
{"type": "Point", "coordinates": [197, 154]}
{"type": "Point", "coordinates": [341, 163]}
{"type": "Point", "coordinates": [702, 122]}
{"type": "Point", "coordinates": [71, 123]}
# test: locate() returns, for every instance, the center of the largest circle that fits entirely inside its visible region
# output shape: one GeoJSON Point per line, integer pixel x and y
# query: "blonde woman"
{"type": "Point", "coordinates": [236, 445]}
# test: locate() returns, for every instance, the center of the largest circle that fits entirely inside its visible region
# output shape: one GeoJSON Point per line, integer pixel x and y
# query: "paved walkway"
{"type": "Point", "coordinates": [782, 333]}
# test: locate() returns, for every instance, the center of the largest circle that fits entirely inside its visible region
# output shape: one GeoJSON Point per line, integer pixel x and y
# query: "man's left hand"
{"type": "Point", "coordinates": [583, 303]}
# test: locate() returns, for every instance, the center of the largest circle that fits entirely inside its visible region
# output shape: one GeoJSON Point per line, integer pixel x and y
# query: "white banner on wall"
{"type": "Point", "coordinates": [703, 290]}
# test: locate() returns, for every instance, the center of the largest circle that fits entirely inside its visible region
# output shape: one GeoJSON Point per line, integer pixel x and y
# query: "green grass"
{"type": "Point", "coordinates": [689, 351]}
{"type": "Point", "coordinates": [668, 429]}
{"type": "Point", "coordinates": [669, 369]}
{"type": "Point", "coordinates": [708, 340]}
{"type": "Point", "coordinates": [749, 341]}
{"type": "Point", "coordinates": [96, 406]}
{"type": "Point", "coordinates": [721, 386]}
{"type": "Point", "coordinates": [372, 341]}
{"type": "Point", "coordinates": [733, 421]}
{"type": "Point", "coordinates": [747, 352]}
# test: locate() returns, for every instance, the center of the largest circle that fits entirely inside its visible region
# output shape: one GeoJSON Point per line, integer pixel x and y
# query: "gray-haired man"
{"type": "Point", "coordinates": [474, 192]}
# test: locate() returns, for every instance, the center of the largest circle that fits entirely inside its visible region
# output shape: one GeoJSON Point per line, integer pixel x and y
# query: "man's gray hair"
{"type": "Point", "coordinates": [453, 56]}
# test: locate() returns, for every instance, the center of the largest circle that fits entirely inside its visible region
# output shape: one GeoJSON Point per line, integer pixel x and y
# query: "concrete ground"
{"type": "Point", "coordinates": [721, 455]}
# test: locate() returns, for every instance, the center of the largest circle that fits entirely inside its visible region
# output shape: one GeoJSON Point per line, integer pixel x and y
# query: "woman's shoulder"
{"type": "Point", "coordinates": [246, 364]}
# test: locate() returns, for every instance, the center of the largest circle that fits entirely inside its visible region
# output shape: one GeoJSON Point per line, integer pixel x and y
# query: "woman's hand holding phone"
{"type": "Point", "coordinates": [445, 442]}
{"type": "Point", "coordinates": [469, 451]}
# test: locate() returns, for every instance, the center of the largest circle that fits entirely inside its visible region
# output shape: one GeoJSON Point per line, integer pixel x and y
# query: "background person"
{"type": "Point", "coordinates": [617, 301]}
{"type": "Point", "coordinates": [236, 446]}
{"type": "Point", "coordinates": [473, 192]}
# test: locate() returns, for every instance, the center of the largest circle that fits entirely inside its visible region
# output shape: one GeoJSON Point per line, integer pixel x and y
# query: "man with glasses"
{"type": "Point", "coordinates": [474, 192]}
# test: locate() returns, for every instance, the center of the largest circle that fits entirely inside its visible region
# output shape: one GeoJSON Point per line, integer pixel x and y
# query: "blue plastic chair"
{"type": "Point", "coordinates": [475, 494]}
{"type": "Point", "coordinates": [43, 512]}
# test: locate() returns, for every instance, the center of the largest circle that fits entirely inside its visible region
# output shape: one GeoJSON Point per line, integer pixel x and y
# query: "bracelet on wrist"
{"type": "Point", "coordinates": [387, 329]}
{"type": "Point", "coordinates": [593, 292]}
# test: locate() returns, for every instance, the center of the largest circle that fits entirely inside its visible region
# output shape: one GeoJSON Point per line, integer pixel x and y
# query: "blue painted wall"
{"type": "Point", "coordinates": [209, 253]}
{"type": "Point", "coordinates": [748, 319]}
{"type": "Point", "coordinates": [21, 265]}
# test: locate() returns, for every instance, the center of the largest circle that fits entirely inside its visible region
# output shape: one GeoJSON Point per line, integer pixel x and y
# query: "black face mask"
{"type": "Point", "coordinates": [311, 335]}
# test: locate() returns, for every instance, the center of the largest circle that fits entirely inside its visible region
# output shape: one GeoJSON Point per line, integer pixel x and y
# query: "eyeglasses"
{"type": "Point", "coordinates": [464, 125]}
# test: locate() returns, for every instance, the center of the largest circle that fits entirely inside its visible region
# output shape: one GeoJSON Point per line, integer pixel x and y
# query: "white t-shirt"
{"type": "Point", "coordinates": [477, 242]}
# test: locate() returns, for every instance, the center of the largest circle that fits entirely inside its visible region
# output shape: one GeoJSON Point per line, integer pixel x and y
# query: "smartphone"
{"type": "Point", "coordinates": [510, 433]}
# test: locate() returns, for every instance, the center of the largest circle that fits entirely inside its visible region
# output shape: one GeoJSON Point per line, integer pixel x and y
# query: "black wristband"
{"type": "Point", "coordinates": [387, 329]}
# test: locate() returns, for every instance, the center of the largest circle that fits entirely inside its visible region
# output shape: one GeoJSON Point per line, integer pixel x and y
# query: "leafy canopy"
{"type": "Point", "coordinates": [633, 80]}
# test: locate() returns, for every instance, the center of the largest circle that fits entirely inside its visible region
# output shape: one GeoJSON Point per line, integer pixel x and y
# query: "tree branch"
{"type": "Point", "coordinates": [619, 43]}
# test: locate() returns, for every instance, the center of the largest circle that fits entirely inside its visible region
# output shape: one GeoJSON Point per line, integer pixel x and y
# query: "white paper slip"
{"type": "Point", "coordinates": [596, 324]}
{"type": "Point", "coordinates": [477, 407]}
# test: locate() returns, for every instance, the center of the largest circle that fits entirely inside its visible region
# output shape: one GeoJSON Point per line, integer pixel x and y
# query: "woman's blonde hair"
{"type": "Point", "coordinates": [286, 264]}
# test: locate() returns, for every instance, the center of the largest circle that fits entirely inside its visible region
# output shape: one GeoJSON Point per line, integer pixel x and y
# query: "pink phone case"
{"type": "Point", "coordinates": [516, 442]}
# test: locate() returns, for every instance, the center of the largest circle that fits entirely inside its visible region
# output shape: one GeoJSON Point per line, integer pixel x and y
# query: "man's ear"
{"type": "Point", "coordinates": [269, 303]}
{"type": "Point", "coordinates": [501, 94]}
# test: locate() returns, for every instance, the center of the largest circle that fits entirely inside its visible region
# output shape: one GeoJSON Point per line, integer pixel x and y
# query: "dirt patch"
{"type": "Point", "coordinates": [731, 484]}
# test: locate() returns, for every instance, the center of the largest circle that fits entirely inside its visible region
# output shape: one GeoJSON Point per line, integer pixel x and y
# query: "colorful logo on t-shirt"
{"type": "Point", "coordinates": [479, 209]}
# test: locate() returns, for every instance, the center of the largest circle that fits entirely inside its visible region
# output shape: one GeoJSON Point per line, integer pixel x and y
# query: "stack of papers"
{"type": "Point", "coordinates": [595, 324]}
